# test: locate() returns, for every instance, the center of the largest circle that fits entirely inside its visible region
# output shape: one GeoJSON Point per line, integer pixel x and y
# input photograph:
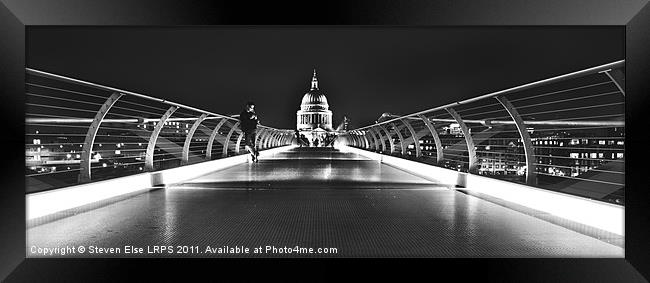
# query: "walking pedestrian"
{"type": "Point", "coordinates": [248, 122]}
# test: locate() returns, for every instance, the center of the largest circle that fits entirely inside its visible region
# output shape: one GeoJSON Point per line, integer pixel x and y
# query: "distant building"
{"type": "Point", "coordinates": [314, 110]}
{"type": "Point", "coordinates": [344, 125]}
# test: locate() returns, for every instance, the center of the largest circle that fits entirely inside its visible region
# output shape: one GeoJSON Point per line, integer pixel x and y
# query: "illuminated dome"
{"type": "Point", "coordinates": [313, 100]}
{"type": "Point", "coordinates": [314, 110]}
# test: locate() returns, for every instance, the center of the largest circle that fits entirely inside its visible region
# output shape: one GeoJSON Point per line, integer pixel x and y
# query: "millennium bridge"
{"type": "Point", "coordinates": [536, 170]}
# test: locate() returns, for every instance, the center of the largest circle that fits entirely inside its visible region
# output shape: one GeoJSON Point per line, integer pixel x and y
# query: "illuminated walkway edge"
{"type": "Point", "coordinates": [605, 216]}
{"type": "Point", "coordinates": [45, 203]}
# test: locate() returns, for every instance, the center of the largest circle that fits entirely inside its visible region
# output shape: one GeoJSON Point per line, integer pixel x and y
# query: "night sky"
{"type": "Point", "coordinates": [363, 71]}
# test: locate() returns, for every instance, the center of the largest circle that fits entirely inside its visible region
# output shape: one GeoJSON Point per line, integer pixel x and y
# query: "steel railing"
{"type": "Point", "coordinates": [78, 132]}
{"type": "Point", "coordinates": [564, 133]}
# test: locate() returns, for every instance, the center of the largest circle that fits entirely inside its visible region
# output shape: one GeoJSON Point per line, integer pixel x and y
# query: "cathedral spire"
{"type": "Point", "coordinates": [314, 81]}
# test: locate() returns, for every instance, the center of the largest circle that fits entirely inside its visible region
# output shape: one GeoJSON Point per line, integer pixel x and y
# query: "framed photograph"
{"type": "Point", "coordinates": [497, 137]}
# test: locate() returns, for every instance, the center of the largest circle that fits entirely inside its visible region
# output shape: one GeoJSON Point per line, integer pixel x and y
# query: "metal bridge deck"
{"type": "Point", "coordinates": [319, 199]}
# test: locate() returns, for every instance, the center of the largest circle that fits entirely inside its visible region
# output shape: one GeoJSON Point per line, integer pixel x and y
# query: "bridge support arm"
{"type": "Point", "coordinates": [416, 140]}
{"type": "Point", "coordinates": [436, 138]}
{"type": "Point", "coordinates": [618, 78]}
{"type": "Point", "coordinates": [261, 138]}
{"type": "Point", "coordinates": [86, 154]}
{"type": "Point", "coordinates": [148, 164]}
{"type": "Point", "coordinates": [473, 161]}
{"type": "Point", "coordinates": [353, 138]}
{"type": "Point", "coordinates": [390, 139]}
{"type": "Point", "coordinates": [188, 139]}
{"type": "Point", "coordinates": [239, 139]}
{"type": "Point", "coordinates": [381, 138]}
{"type": "Point", "coordinates": [208, 151]}
{"type": "Point", "coordinates": [373, 138]}
{"type": "Point", "coordinates": [227, 141]}
{"type": "Point", "coordinates": [531, 172]}
{"type": "Point", "coordinates": [265, 139]}
{"type": "Point", "coordinates": [273, 141]}
{"type": "Point", "coordinates": [401, 139]}
{"type": "Point", "coordinates": [365, 139]}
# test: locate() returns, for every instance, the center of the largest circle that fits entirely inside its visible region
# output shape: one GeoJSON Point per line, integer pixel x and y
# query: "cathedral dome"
{"type": "Point", "coordinates": [314, 110]}
{"type": "Point", "coordinates": [314, 99]}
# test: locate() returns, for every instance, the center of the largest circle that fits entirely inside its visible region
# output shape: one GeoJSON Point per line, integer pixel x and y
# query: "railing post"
{"type": "Point", "coordinates": [271, 140]}
{"type": "Point", "coordinates": [261, 138]}
{"type": "Point", "coordinates": [531, 171]}
{"type": "Point", "coordinates": [618, 78]}
{"type": "Point", "coordinates": [362, 141]}
{"type": "Point", "coordinates": [390, 139]}
{"type": "Point", "coordinates": [357, 141]}
{"type": "Point", "coordinates": [381, 138]}
{"type": "Point", "coordinates": [365, 139]}
{"type": "Point", "coordinates": [353, 137]}
{"type": "Point", "coordinates": [86, 154]}
{"type": "Point", "coordinates": [471, 151]}
{"type": "Point", "coordinates": [416, 140]}
{"type": "Point", "coordinates": [148, 164]}
{"type": "Point", "coordinates": [348, 139]}
{"type": "Point", "coordinates": [282, 140]}
{"type": "Point", "coordinates": [258, 138]}
{"type": "Point", "coordinates": [239, 139]}
{"type": "Point", "coordinates": [374, 139]}
{"type": "Point", "coordinates": [436, 138]}
{"type": "Point", "coordinates": [276, 138]}
{"type": "Point", "coordinates": [401, 139]}
{"type": "Point", "coordinates": [208, 152]}
{"type": "Point", "coordinates": [188, 139]}
{"type": "Point", "coordinates": [225, 144]}
{"type": "Point", "coordinates": [265, 138]}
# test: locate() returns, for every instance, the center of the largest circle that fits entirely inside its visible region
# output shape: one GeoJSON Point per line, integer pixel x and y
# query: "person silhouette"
{"type": "Point", "coordinates": [248, 122]}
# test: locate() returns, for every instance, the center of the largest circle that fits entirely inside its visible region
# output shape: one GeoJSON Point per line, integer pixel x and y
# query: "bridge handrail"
{"type": "Point", "coordinates": [584, 72]}
{"type": "Point", "coordinates": [567, 130]}
{"type": "Point", "coordinates": [63, 110]}
{"type": "Point", "coordinates": [96, 85]}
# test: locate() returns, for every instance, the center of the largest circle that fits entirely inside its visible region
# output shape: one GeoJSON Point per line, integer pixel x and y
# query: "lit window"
{"type": "Point", "coordinates": [593, 155]}
{"type": "Point", "coordinates": [619, 155]}
{"type": "Point", "coordinates": [601, 155]}
{"type": "Point", "coordinates": [620, 142]}
{"type": "Point", "coordinates": [601, 142]}
{"type": "Point", "coordinates": [37, 141]}
{"type": "Point", "coordinates": [574, 155]}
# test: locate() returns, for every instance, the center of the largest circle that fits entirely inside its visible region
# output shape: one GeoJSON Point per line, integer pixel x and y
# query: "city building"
{"type": "Point", "coordinates": [314, 119]}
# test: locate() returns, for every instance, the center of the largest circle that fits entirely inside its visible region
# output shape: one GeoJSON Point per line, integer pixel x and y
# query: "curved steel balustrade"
{"type": "Point", "coordinates": [78, 132]}
{"type": "Point", "coordinates": [564, 133]}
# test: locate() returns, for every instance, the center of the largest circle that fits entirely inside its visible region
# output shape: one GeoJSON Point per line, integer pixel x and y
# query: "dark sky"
{"type": "Point", "coordinates": [364, 71]}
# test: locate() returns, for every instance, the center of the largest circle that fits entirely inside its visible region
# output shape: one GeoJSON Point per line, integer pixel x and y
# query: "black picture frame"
{"type": "Point", "coordinates": [16, 15]}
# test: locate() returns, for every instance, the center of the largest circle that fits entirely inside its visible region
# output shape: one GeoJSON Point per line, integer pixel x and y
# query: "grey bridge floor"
{"type": "Point", "coordinates": [315, 199]}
